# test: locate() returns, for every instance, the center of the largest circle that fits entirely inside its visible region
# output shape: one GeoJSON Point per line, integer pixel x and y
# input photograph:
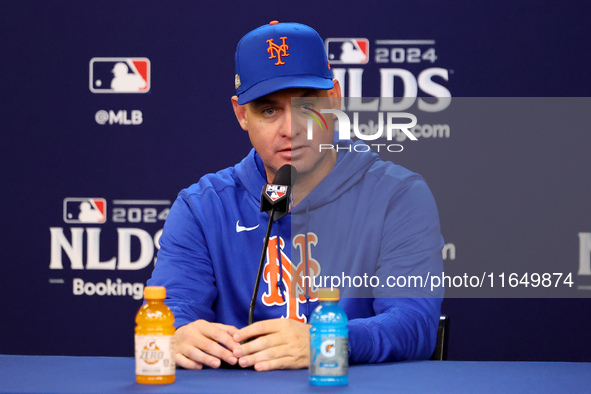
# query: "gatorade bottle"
{"type": "Point", "coordinates": [329, 341]}
{"type": "Point", "coordinates": [154, 331]}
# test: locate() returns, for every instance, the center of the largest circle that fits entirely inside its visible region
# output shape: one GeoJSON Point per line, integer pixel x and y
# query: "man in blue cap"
{"type": "Point", "coordinates": [211, 242]}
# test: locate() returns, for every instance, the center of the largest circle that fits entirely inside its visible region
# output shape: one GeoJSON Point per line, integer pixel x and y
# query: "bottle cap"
{"type": "Point", "coordinates": [154, 292]}
{"type": "Point", "coordinates": [328, 294]}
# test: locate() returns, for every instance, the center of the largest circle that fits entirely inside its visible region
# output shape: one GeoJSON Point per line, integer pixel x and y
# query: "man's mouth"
{"type": "Point", "coordinates": [291, 148]}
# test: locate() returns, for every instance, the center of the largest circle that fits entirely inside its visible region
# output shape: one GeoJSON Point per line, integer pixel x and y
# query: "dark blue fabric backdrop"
{"type": "Point", "coordinates": [505, 196]}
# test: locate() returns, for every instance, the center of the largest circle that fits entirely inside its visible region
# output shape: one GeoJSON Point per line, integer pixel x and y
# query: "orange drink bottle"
{"type": "Point", "coordinates": [154, 333]}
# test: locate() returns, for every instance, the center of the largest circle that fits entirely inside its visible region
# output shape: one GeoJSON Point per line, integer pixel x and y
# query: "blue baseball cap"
{"type": "Point", "coordinates": [280, 56]}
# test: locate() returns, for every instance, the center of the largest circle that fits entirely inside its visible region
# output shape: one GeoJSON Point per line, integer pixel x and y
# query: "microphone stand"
{"type": "Point", "coordinates": [261, 264]}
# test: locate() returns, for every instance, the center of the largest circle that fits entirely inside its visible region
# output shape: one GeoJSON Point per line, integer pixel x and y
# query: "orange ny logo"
{"type": "Point", "coordinates": [280, 269]}
{"type": "Point", "coordinates": [276, 51]}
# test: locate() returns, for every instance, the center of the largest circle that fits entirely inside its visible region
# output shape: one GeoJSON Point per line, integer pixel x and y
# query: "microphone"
{"type": "Point", "coordinates": [277, 202]}
{"type": "Point", "coordinates": [276, 197]}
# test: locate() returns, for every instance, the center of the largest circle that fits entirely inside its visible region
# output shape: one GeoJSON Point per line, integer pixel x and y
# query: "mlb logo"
{"type": "Point", "coordinates": [347, 50]}
{"type": "Point", "coordinates": [119, 75]}
{"type": "Point", "coordinates": [275, 192]}
{"type": "Point", "coordinates": [85, 210]}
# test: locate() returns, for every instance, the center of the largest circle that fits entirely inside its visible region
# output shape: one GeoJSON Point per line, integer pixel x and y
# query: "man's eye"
{"type": "Point", "coordinates": [269, 111]}
{"type": "Point", "coordinates": [307, 105]}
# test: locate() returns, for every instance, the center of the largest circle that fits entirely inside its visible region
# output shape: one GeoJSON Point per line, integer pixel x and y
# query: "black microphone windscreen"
{"type": "Point", "coordinates": [286, 175]}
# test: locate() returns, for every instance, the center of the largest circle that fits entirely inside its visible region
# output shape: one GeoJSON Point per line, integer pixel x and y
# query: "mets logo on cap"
{"type": "Point", "coordinates": [277, 51]}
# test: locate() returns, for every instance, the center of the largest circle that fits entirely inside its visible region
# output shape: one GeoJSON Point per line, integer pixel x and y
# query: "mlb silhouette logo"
{"type": "Point", "coordinates": [85, 210]}
{"type": "Point", "coordinates": [275, 192]}
{"type": "Point", "coordinates": [347, 50]}
{"type": "Point", "coordinates": [119, 75]}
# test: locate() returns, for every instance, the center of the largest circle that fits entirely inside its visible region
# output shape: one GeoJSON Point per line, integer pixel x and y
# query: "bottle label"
{"type": "Point", "coordinates": [329, 355]}
{"type": "Point", "coordinates": [153, 355]}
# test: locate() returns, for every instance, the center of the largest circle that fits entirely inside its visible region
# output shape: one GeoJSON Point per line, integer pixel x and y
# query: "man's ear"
{"type": "Point", "coordinates": [240, 112]}
{"type": "Point", "coordinates": [335, 95]}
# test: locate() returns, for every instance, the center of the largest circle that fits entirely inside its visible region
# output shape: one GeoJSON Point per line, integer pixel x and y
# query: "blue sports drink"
{"type": "Point", "coordinates": [329, 341]}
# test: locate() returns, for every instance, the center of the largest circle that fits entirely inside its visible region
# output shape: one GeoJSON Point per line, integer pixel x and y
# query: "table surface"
{"type": "Point", "coordinates": [116, 374]}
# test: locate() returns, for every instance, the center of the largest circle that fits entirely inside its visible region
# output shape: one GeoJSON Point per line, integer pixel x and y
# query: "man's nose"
{"type": "Point", "coordinates": [286, 126]}
{"type": "Point", "coordinates": [294, 123]}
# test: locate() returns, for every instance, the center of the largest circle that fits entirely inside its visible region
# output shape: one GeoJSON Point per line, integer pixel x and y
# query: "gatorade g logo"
{"type": "Point", "coordinates": [328, 348]}
{"type": "Point", "coordinates": [276, 51]}
{"type": "Point", "coordinates": [151, 353]}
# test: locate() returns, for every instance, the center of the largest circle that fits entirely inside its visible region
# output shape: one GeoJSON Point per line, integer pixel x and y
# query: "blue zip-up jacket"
{"type": "Point", "coordinates": [366, 217]}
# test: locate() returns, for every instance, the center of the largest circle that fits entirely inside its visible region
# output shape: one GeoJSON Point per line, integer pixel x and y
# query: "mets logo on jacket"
{"type": "Point", "coordinates": [287, 282]}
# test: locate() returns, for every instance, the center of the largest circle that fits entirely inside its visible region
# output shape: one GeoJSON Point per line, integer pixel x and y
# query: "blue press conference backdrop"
{"type": "Point", "coordinates": [73, 142]}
